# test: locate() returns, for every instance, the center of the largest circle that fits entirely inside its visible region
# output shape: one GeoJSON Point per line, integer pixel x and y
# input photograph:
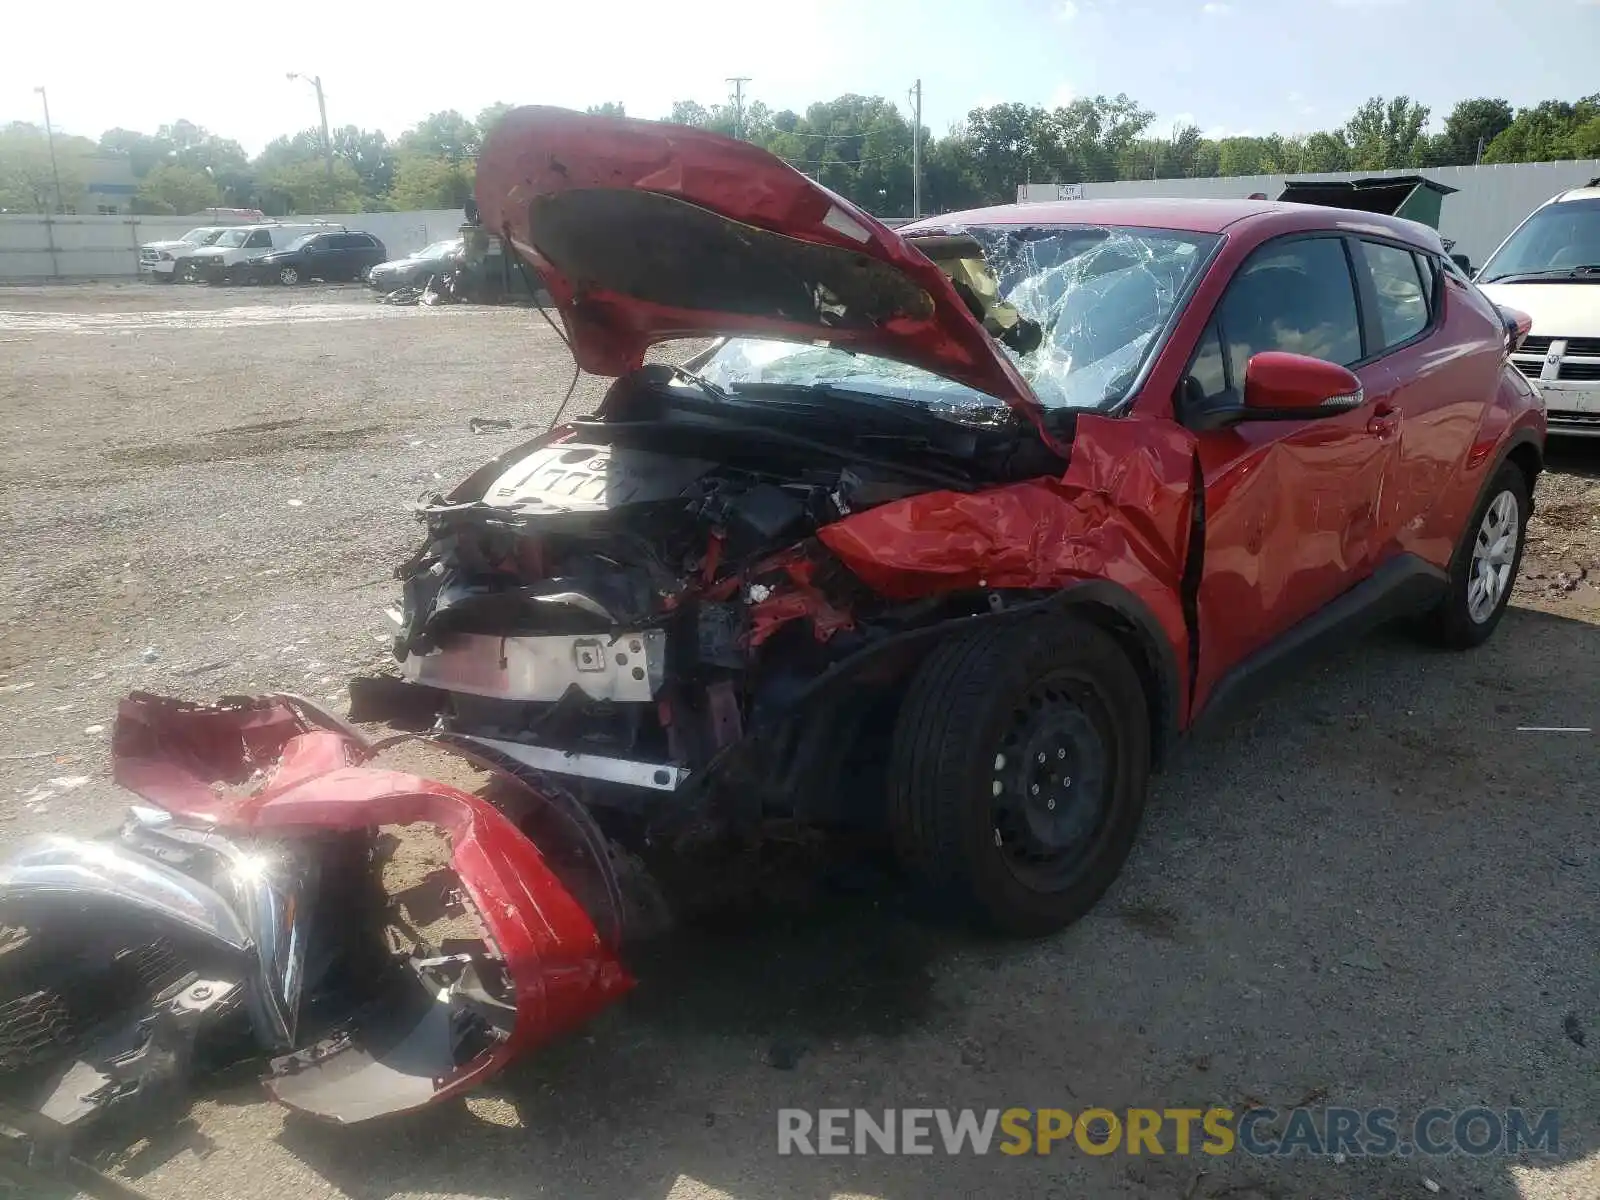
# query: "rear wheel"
{"type": "Point", "coordinates": [1019, 771]}
{"type": "Point", "coordinates": [1484, 568]}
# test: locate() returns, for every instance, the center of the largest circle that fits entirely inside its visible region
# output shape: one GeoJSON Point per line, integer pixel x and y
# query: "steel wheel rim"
{"type": "Point", "coordinates": [1494, 553]}
{"type": "Point", "coordinates": [1051, 784]}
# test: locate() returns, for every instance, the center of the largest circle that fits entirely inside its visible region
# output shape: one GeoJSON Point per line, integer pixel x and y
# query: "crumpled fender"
{"type": "Point", "coordinates": [198, 762]}
{"type": "Point", "coordinates": [1121, 512]}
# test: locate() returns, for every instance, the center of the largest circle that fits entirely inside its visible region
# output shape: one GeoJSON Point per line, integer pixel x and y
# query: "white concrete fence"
{"type": "Point", "coordinates": [36, 248]}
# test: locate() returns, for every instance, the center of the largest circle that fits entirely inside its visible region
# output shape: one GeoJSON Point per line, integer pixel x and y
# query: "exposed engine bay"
{"type": "Point", "coordinates": [641, 602]}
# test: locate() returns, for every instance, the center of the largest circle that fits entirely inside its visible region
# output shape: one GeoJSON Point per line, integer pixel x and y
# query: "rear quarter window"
{"type": "Point", "coordinates": [1404, 310]}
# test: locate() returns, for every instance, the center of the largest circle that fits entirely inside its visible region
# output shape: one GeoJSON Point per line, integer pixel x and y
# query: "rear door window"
{"type": "Point", "coordinates": [1403, 308]}
{"type": "Point", "coordinates": [1296, 296]}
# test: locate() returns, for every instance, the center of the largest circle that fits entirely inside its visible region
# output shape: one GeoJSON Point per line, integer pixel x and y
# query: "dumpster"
{"type": "Point", "coordinates": [1410, 196]}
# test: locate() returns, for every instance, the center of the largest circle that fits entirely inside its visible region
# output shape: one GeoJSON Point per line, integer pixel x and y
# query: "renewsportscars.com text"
{"type": "Point", "coordinates": [1261, 1132]}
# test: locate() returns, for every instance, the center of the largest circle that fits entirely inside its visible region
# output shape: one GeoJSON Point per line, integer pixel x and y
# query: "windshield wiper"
{"type": "Point", "coordinates": [1587, 272]}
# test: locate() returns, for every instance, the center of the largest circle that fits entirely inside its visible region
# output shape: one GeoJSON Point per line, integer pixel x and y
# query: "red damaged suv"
{"type": "Point", "coordinates": [955, 528]}
{"type": "Point", "coordinates": [945, 539]}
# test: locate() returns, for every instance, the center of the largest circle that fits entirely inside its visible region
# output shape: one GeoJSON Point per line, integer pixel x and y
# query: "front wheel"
{"type": "Point", "coordinates": [1484, 568]}
{"type": "Point", "coordinates": [288, 276]}
{"type": "Point", "coordinates": [1019, 771]}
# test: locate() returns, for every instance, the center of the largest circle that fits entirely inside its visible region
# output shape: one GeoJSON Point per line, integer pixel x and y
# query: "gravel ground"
{"type": "Point", "coordinates": [1372, 890]}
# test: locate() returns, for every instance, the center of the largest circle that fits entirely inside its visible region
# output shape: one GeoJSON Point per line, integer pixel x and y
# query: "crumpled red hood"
{"type": "Point", "coordinates": [644, 231]}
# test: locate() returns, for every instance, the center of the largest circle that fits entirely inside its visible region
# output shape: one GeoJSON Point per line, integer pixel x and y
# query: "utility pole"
{"type": "Point", "coordinates": [50, 137]}
{"type": "Point", "coordinates": [738, 82]}
{"type": "Point", "coordinates": [916, 150]}
{"type": "Point", "coordinates": [322, 111]}
{"type": "Point", "coordinates": [1479, 157]}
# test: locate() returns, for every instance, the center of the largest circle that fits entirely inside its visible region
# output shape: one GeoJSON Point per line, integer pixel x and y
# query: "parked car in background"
{"type": "Point", "coordinates": [330, 256]}
{"type": "Point", "coordinates": [234, 246]}
{"type": "Point", "coordinates": [1549, 268]}
{"type": "Point", "coordinates": [159, 260]}
{"type": "Point", "coordinates": [416, 268]}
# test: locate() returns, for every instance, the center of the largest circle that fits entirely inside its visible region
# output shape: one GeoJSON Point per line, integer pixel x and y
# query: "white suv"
{"type": "Point", "coordinates": [159, 260]}
{"type": "Point", "coordinates": [1549, 268]}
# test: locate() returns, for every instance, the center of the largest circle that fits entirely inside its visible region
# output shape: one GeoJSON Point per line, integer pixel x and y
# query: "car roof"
{"type": "Point", "coordinates": [1193, 215]}
{"type": "Point", "coordinates": [1592, 192]}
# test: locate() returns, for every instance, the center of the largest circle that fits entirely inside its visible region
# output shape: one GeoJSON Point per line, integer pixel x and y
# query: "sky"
{"type": "Point", "coordinates": [1228, 66]}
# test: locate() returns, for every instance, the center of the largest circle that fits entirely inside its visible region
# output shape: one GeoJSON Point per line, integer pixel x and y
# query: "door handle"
{"type": "Point", "coordinates": [1385, 419]}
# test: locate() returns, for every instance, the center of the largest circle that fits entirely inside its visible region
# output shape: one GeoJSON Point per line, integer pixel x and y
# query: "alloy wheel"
{"type": "Point", "coordinates": [1494, 552]}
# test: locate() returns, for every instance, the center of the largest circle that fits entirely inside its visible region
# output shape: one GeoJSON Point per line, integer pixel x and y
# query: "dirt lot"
{"type": "Point", "coordinates": [1372, 890]}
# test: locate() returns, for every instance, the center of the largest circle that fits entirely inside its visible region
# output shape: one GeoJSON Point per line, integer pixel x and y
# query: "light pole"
{"type": "Point", "coordinates": [738, 82]}
{"type": "Point", "coordinates": [322, 110]}
{"type": "Point", "coordinates": [50, 137]}
{"type": "Point", "coordinates": [916, 149]}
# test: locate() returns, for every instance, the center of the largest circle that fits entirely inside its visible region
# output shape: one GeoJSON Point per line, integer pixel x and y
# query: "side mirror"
{"type": "Point", "coordinates": [1518, 325]}
{"type": "Point", "coordinates": [1295, 387]}
{"type": "Point", "coordinates": [1465, 263]}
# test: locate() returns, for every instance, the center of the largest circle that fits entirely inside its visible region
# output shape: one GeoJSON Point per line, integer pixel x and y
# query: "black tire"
{"type": "Point", "coordinates": [1454, 623]}
{"type": "Point", "coordinates": [966, 820]}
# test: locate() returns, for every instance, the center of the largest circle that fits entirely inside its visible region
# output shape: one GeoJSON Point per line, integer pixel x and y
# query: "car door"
{"type": "Point", "coordinates": [1291, 507]}
{"type": "Point", "coordinates": [320, 257]}
{"type": "Point", "coordinates": [365, 253]}
{"type": "Point", "coordinates": [1446, 353]}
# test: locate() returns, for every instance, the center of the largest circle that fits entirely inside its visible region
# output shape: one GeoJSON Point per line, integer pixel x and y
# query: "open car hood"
{"type": "Point", "coordinates": [644, 231]}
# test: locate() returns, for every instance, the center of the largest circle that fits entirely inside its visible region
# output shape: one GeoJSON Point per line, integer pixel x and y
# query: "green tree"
{"type": "Point", "coordinates": [177, 189]}
{"type": "Point", "coordinates": [447, 135]}
{"type": "Point", "coordinates": [371, 157]}
{"type": "Point", "coordinates": [490, 117]}
{"type": "Point", "coordinates": [1471, 126]}
{"type": "Point", "coordinates": [1012, 144]}
{"type": "Point", "coordinates": [305, 188]}
{"type": "Point", "coordinates": [1384, 134]}
{"type": "Point", "coordinates": [1088, 136]}
{"type": "Point", "coordinates": [143, 151]}
{"type": "Point", "coordinates": [610, 108]}
{"type": "Point", "coordinates": [421, 182]}
{"type": "Point", "coordinates": [1325, 151]}
{"type": "Point", "coordinates": [1545, 133]}
{"type": "Point", "coordinates": [27, 179]}
{"type": "Point", "coordinates": [688, 112]}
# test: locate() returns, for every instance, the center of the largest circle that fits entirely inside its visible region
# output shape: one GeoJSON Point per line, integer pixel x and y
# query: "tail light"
{"type": "Point", "coordinates": [1518, 326]}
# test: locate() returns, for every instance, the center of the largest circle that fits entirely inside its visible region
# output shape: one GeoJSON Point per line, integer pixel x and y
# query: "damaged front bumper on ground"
{"type": "Point", "coordinates": [380, 939]}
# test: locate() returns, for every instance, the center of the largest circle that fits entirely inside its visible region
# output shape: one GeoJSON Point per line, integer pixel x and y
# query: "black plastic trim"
{"type": "Point", "coordinates": [1403, 586]}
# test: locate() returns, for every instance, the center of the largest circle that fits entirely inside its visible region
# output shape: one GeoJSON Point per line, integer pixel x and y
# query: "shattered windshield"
{"type": "Point", "coordinates": [1077, 308]}
{"type": "Point", "coordinates": [1556, 240]}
